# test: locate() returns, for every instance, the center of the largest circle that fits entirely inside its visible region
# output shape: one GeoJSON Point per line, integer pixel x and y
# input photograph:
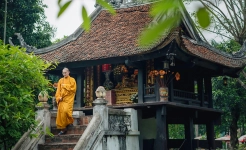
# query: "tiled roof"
{"type": "Point", "coordinates": [212, 55]}
{"type": "Point", "coordinates": [110, 36]}
{"type": "Point", "coordinates": [116, 36]}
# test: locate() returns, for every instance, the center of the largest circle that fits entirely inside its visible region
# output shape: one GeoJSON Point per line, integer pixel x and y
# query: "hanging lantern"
{"type": "Point", "coordinates": [106, 67]}
{"type": "Point", "coordinates": [225, 81]}
{"type": "Point", "coordinates": [166, 65]}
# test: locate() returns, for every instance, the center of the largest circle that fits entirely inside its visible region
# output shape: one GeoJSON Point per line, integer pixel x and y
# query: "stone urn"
{"type": "Point", "coordinates": [43, 96]}
{"type": "Point", "coordinates": [163, 94]}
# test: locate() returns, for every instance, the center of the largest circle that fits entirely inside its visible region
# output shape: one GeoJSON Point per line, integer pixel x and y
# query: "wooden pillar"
{"type": "Point", "coordinates": [161, 130]}
{"type": "Point", "coordinates": [140, 84]}
{"type": "Point", "coordinates": [210, 135]}
{"type": "Point", "coordinates": [200, 91]}
{"type": "Point", "coordinates": [77, 103]}
{"type": "Point", "coordinates": [189, 134]}
{"type": "Point", "coordinates": [208, 91]}
{"type": "Point", "coordinates": [171, 94]}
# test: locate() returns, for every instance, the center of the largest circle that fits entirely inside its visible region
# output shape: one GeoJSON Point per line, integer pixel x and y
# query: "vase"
{"type": "Point", "coordinates": [163, 93]}
{"type": "Point", "coordinates": [108, 85]}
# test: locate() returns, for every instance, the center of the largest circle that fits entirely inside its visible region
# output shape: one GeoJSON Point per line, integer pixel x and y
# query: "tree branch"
{"type": "Point", "coordinates": [211, 10]}
{"type": "Point", "coordinates": [217, 33]}
{"type": "Point", "coordinates": [236, 24]}
{"type": "Point", "coordinates": [241, 83]}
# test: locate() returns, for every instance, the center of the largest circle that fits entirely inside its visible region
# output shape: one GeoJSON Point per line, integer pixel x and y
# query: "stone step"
{"type": "Point", "coordinates": [78, 129]}
{"type": "Point", "coordinates": [79, 118]}
{"type": "Point", "coordinates": [66, 138]}
{"type": "Point", "coordinates": [56, 146]}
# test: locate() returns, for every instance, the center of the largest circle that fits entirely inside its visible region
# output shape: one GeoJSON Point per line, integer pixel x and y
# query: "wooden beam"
{"type": "Point", "coordinates": [161, 131]}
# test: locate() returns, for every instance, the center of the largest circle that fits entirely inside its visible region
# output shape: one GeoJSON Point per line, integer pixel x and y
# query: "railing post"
{"type": "Point", "coordinates": [43, 113]}
{"type": "Point", "coordinates": [100, 106]}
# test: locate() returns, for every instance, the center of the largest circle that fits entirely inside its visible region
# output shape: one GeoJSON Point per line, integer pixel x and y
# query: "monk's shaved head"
{"type": "Point", "coordinates": [65, 72]}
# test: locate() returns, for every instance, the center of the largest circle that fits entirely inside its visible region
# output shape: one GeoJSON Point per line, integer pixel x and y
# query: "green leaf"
{"type": "Point", "coordinates": [63, 8]}
{"type": "Point", "coordinates": [203, 17]}
{"type": "Point", "coordinates": [104, 4]}
{"type": "Point", "coordinates": [151, 34]}
{"type": "Point", "coordinates": [59, 2]}
{"type": "Point", "coordinates": [86, 19]}
{"type": "Point", "coordinates": [163, 6]}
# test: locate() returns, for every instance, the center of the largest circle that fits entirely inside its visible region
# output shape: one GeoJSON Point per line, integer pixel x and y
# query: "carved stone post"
{"type": "Point", "coordinates": [43, 113]}
{"type": "Point", "coordinates": [100, 106]}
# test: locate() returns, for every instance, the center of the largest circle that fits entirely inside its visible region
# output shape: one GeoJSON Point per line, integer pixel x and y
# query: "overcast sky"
{"type": "Point", "coordinates": [71, 19]}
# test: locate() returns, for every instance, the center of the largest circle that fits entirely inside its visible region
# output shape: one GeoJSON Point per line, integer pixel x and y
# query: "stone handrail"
{"type": "Point", "coordinates": [109, 129]}
{"type": "Point", "coordinates": [92, 133]}
{"type": "Point", "coordinates": [26, 142]}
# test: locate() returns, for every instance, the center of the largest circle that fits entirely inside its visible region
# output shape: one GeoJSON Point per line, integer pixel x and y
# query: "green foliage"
{"type": "Point", "coordinates": [176, 131]}
{"type": "Point", "coordinates": [63, 7]}
{"type": "Point", "coordinates": [86, 24]}
{"type": "Point", "coordinates": [151, 34]}
{"type": "Point", "coordinates": [21, 76]}
{"type": "Point", "coordinates": [230, 99]}
{"type": "Point", "coordinates": [86, 19]}
{"type": "Point", "coordinates": [203, 17]}
{"type": "Point", "coordinates": [59, 40]}
{"type": "Point", "coordinates": [26, 17]}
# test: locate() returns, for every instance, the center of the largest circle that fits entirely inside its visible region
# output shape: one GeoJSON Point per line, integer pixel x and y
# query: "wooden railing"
{"type": "Point", "coordinates": [151, 94]}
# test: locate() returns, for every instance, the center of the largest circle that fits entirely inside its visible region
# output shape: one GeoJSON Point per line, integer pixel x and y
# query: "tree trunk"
{"type": "Point", "coordinates": [235, 113]}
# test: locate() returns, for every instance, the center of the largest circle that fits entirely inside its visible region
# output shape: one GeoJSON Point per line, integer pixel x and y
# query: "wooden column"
{"type": "Point", "coordinates": [140, 84]}
{"type": "Point", "coordinates": [161, 130]}
{"type": "Point", "coordinates": [200, 91]}
{"type": "Point", "coordinates": [208, 91]}
{"type": "Point", "coordinates": [171, 94]}
{"type": "Point", "coordinates": [77, 103]}
{"type": "Point", "coordinates": [189, 134]}
{"type": "Point", "coordinates": [210, 135]}
{"type": "Point", "coordinates": [140, 66]}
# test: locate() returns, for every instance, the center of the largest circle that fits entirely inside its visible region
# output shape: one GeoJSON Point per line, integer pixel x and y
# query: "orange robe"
{"type": "Point", "coordinates": [66, 89]}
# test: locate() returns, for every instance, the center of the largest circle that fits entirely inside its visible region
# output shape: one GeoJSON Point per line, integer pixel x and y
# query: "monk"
{"type": "Point", "coordinates": [65, 98]}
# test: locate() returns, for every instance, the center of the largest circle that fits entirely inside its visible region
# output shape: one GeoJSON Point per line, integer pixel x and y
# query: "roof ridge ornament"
{"type": "Point", "coordinates": [241, 52]}
{"type": "Point", "coordinates": [123, 3]}
{"type": "Point", "coordinates": [29, 48]}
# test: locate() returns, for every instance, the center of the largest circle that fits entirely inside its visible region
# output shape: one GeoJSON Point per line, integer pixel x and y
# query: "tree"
{"type": "Point", "coordinates": [59, 39]}
{"type": "Point", "coordinates": [26, 17]}
{"type": "Point", "coordinates": [230, 98]}
{"type": "Point", "coordinates": [22, 75]}
{"type": "Point", "coordinates": [228, 18]}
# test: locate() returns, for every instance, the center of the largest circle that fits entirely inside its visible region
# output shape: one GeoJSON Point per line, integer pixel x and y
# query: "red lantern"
{"type": "Point", "coordinates": [106, 67]}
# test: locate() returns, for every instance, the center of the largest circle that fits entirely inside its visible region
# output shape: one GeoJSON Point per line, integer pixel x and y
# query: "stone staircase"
{"type": "Point", "coordinates": [68, 140]}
